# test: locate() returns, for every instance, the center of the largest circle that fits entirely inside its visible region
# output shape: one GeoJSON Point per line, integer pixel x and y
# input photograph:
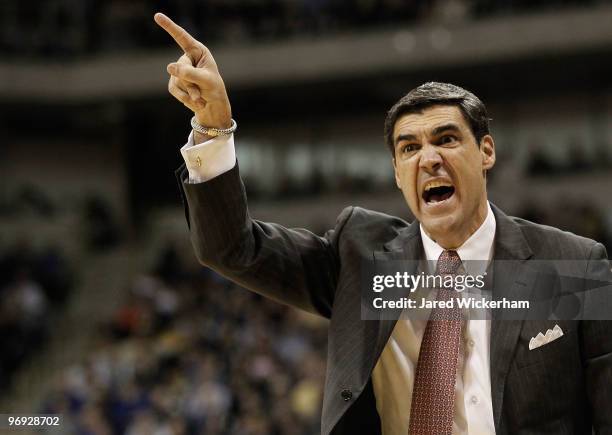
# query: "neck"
{"type": "Point", "coordinates": [454, 239]}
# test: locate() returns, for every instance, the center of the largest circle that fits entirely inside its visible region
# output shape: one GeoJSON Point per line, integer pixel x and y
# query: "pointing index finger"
{"type": "Point", "coordinates": [180, 35]}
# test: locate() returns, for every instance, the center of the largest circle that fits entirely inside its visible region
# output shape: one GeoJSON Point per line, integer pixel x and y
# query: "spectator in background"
{"type": "Point", "coordinates": [101, 230]}
{"type": "Point", "coordinates": [33, 287]}
{"type": "Point", "coordinates": [165, 371]}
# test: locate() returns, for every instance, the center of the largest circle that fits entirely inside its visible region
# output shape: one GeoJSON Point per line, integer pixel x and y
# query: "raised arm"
{"type": "Point", "coordinates": [293, 266]}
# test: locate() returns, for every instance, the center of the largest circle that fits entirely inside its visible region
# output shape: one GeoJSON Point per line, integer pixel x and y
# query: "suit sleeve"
{"type": "Point", "coordinates": [292, 266]}
{"type": "Point", "coordinates": [597, 341]}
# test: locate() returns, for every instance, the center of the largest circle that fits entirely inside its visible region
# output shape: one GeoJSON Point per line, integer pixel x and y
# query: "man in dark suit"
{"type": "Point", "coordinates": [551, 375]}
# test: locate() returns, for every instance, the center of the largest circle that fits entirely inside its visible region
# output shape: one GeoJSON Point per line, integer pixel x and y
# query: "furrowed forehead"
{"type": "Point", "coordinates": [428, 119]}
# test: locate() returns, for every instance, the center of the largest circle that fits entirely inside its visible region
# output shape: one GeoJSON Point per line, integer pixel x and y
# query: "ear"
{"type": "Point", "coordinates": [397, 177]}
{"type": "Point", "coordinates": [487, 150]}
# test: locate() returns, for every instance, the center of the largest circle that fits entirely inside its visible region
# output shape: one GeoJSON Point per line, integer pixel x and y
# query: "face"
{"type": "Point", "coordinates": [441, 171]}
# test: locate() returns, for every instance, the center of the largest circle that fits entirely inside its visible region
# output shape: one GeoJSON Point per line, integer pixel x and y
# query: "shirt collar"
{"type": "Point", "coordinates": [479, 246]}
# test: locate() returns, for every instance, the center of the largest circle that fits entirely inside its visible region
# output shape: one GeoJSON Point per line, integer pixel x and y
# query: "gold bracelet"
{"type": "Point", "coordinates": [211, 131]}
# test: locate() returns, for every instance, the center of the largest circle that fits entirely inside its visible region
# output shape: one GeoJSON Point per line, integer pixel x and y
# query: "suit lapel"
{"type": "Point", "coordinates": [513, 280]}
{"type": "Point", "coordinates": [407, 246]}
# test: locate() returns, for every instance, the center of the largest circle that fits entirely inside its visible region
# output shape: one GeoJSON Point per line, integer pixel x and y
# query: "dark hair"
{"type": "Point", "coordinates": [433, 94]}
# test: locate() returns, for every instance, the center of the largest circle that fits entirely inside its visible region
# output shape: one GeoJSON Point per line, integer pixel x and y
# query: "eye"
{"type": "Point", "coordinates": [409, 148]}
{"type": "Point", "coordinates": [448, 139]}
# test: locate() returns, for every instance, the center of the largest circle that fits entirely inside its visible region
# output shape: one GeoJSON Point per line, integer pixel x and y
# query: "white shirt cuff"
{"type": "Point", "coordinates": [208, 159]}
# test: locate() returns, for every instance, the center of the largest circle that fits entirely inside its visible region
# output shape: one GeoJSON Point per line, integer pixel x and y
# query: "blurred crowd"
{"type": "Point", "coordinates": [190, 353]}
{"type": "Point", "coordinates": [34, 286]}
{"type": "Point", "coordinates": [37, 265]}
{"type": "Point", "coordinates": [66, 28]}
{"type": "Point", "coordinates": [542, 163]}
{"type": "Point", "coordinates": [98, 226]}
{"type": "Point", "coordinates": [574, 215]}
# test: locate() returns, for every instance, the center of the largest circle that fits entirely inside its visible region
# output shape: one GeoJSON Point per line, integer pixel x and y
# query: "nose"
{"type": "Point", "coordinates": [431, 160]}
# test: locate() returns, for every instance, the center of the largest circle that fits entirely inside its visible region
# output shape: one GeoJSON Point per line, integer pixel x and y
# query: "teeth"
{"type": "Point", "coordinates": [432, 184]}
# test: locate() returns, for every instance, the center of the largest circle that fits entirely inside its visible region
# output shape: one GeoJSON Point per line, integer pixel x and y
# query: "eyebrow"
{"type": "Point", "coordinates": [436, 131]}
{"type": "Point", "coordinates": [446, 127]}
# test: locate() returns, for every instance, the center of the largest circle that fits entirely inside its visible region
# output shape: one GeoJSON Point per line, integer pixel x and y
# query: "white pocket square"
{"type": "Point", "coordinates": [542, 339]}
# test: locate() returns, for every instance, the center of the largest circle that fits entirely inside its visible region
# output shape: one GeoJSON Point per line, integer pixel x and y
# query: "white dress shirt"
{"type": "Point", "coordinates": [393, 375]}
{"type": "Point", "coordinates": [208, 159]}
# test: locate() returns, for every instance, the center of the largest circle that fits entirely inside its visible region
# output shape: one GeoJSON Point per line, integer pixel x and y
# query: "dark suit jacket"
{"type": "Point", "coordinates": [564, 387]}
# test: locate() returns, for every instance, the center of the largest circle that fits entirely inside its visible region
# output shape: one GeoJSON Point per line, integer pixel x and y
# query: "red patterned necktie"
{"type": "Point", "coordinates": [433, 395]}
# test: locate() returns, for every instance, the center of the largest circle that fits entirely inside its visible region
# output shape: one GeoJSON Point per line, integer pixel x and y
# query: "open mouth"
{"type": "Point", "coordinates": [437, 191]}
